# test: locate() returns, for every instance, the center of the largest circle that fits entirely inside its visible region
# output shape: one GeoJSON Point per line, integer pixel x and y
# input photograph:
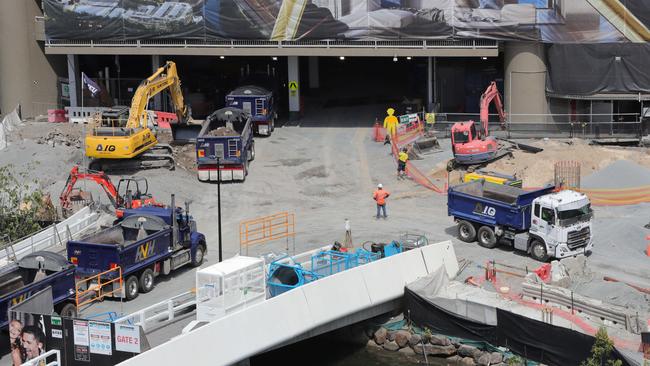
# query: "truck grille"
{"type": "Point", "coordinates": [578, 238]}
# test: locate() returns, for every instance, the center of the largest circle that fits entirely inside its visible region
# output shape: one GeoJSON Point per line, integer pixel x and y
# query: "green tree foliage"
{"type": "Point", "coordinates": [23, 209]}
{"type": "Point", "coordinates": [601, 351]}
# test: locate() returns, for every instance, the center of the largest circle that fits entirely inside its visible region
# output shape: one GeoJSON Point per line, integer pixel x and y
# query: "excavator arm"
{"type": "Point", "coordinates": [98, 177]}
{"type": "Point", "coordinates": [166, 77]}
{"type": "Point", "coordinates": [491, 94]}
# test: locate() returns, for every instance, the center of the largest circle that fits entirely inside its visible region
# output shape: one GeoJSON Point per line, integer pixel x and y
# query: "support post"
{"type": "Point", "coordinates": [293, 87]}
{"type": "Point", "coordinates": [157, 100]}
{"type": "Point", "coordinates": [73, 72]}
{"type": "Point", "coordinates": [219, 205]}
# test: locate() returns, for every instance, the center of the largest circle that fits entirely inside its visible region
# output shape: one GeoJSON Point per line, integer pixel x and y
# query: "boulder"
{"type": "Point", "coordinates": [402, 338]}
{"type": "Point", "coordinates": [407, 351]}
{"type": "Point", "coordinates": [380, 336]}
{"type": "Point", "coordinates": [372, 343]}
{"type": "Point", "coordinates": [415, 339]}
{"type": "Point", "coordinates": [391, 335]}
{"type": "Point", "coordinates": [439, 340]}
{"type": "Point", "coordinates": [484, 360]}
{"type": "Point", "coordinates": [431, 350]}
{"type": "Point", "coordinates": [467, 361]}
{"type": "Point", "coordinates": [495, 358]}
{"type": "Point", "coordinates": [454, 360]}
{"type": "Point", "coordinates": [391, 346]}
{"type": "Point", "coordinates": [469, 351]}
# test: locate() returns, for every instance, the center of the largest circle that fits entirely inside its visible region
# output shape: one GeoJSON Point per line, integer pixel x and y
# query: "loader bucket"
{"type": "Point", "coordinates": [184, 133]}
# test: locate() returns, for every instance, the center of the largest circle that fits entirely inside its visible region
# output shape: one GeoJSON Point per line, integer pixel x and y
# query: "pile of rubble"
{"type": "Point", "coordinates": [438, 346]}
{"type": "Point", "coordinates": [185, 157]}
{"type": "Point", "coordinates": [59, 138]}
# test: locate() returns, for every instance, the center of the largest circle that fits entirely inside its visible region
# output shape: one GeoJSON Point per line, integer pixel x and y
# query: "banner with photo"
{"type": "Point", "coordinates": [554, 21]}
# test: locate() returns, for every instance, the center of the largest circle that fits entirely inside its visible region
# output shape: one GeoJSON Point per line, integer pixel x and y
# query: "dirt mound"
{"type": "Point", "coordinates": [536, 170]}
{"type": "Point", "coordinates": [619, 174]}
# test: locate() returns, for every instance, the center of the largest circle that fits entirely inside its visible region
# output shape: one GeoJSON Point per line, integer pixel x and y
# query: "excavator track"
{"type": "Point", "coordinates": [159, 156]}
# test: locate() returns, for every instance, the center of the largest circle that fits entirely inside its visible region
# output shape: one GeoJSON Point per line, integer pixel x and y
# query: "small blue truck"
{"type": "Point", "coordinates": [31, 274]}
{"type": "Point", "coordinates": [556, 224]}
{"type": "Point", "coordinates": [145, 243]}
{"type": "Point", "coordinates": [225, 145]}
{"type": "Point", "coordinates": [259, 103]}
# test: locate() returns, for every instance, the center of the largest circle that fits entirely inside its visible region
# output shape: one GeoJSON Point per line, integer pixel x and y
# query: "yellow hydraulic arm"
{"type": "Point", "coordinates": [165, 77]}
{"type": "Point", "coordinates": [126, 141]}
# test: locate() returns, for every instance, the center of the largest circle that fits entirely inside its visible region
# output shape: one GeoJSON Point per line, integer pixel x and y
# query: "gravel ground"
{"type": "Point", "coordinates": [324, 175]}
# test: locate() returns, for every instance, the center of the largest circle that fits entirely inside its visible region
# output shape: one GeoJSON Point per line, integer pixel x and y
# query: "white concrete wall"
{"type": "Point", "coordinates": [277, 320]}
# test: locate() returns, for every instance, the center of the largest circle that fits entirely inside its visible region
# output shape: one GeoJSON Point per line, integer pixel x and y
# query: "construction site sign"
{"type": "Point", "coordinates": [293, 87]}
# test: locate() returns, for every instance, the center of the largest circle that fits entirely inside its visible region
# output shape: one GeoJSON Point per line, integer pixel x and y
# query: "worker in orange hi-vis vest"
{"type": "Point", "coordinates": [380, 196]}
{"type": "Point", "coordinates": [390, 124]}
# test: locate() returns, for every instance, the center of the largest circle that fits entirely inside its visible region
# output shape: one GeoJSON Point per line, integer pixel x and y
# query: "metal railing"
{"type": "Point", "coordinates": [162, 313]}
{"type": "Point", "coordinates": [42, 359]}
{"type": "Point", "coordinates": [206, 43]}
{"type": "Point", "coordinates": [85, 296]}
{"type": "Point", "coordinates": [585, 125]}
{"type": "Point", "coordinates": [267, 228]}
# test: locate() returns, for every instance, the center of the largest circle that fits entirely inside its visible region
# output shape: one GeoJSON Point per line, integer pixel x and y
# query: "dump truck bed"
{"type": "Point", "coordinates": [493, 204]}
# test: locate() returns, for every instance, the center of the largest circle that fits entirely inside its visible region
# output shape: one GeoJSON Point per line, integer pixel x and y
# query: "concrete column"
{"type": "Point", "coordinates": [429, 84]}
{"type": "Point", "coordinates": [314, 82]}
{"type": "Point", "coordinates": [525, 82]}
{"type": "Point", "coordinates": [74, 76]}
{"type": "Point", "coordinates": [157, 99]}
{"type": "Point", "coordinates": [294, 80]}
{"type": "Point", "coordinates": [27, 75]}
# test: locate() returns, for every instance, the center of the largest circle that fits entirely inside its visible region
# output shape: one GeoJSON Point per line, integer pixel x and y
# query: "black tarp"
{"type": "Point", "coordinates": [442, 321]}
{"type": "Point", "coordinates": [612, 68]}
{"type": "Point", "coordinates": [537, 341]}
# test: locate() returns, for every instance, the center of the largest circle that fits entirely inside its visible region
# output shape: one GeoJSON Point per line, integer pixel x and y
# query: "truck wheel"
{"type": "Point", "coordinates": [251, 154]}
{"type": "Point", "coordinates": [538, 251]}
{"type": "Point", "coordinates": [486, 237]}
{"type": "Point", "coordinates": [272, 125]}
{"type": "Point", "coordinates": [466, 231]}
{"type": "Point", "coordinates": [69, 310]}
{"type": "Point", "coordinates": [198, 256]}
{"type": "Point", "coordinates": [147, 281]}
{"type": "Point", "coordinates": [131, 287]}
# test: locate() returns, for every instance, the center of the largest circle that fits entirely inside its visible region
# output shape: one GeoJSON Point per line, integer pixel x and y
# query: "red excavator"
{"type": "Point", "coordinates": [130, 192]}
{"type": "Point", "coordinates": [472, 147]}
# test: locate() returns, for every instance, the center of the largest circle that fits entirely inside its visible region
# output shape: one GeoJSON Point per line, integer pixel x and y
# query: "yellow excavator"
{"type": "Point", "coordinates": [121, 140]}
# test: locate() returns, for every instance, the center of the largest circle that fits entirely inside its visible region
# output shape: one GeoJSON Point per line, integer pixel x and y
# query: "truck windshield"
{"type": "Point", "coordinates": [571, 216]}
{"type": "Point", "coordinates": [461, 137]}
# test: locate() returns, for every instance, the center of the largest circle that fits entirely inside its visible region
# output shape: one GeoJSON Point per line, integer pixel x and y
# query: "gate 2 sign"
{"type": "Point", "coordinates": [127, 338]}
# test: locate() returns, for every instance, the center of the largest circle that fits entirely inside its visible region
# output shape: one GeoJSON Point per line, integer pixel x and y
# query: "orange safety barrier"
{"type": "Point", "coordinates": [165, 118]}
{"type": "Point", "coordinates": [266, 228]}
{"type": "Point", "coordinates": [414, 173]}
{"type": "Point", "coordinates": [98, 288]}
{"type": "Point", "coordinates": [378, 133]}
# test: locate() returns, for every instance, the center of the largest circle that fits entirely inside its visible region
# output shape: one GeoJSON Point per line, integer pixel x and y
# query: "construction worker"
{"type": "Point", "coordinates": [390, 125]}
{"type": "Point", "coordinates": [401, 163]}
{"type": "Point", "coordinates": [380, 196]}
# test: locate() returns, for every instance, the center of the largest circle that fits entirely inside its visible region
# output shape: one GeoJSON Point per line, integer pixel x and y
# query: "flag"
{"type": "Point", "coordinates": [92, 86]}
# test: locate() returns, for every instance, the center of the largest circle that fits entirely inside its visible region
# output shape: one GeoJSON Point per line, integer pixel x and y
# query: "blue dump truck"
{"type": "Point", "coordinates": [554, 224]}
{"type": "Point", "coordinates": [145, 243]}
{"type": "Point", "coordinates": [33, 273]}
{"type": "Point", "coordinates": [225, 145]}
{"type": "Point", "coordinates": [259, 103]}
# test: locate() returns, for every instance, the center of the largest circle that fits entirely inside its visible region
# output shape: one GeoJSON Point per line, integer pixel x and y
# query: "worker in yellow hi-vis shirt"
{"type": "Point", "coordinates": [390, 124]}
{"type": "Point", "coordinates": [402, 159]}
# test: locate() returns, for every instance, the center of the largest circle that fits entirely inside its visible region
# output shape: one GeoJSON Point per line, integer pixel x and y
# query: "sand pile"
{"type": "Point", "coordinates": [619, 174]}
{"type": "Point", "coordinates": [538, 169]}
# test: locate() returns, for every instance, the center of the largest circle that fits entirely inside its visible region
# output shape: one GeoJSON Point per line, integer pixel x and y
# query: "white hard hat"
{"type": "Point", "coordinates": [380, 185]}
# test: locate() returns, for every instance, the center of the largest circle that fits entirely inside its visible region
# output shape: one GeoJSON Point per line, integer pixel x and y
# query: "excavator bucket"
{"type": "Point", "coordinates": [183, 133]}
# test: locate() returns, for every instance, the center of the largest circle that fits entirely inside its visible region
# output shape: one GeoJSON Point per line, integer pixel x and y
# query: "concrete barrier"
{"type": "Point", "coordinates": [285, 317]}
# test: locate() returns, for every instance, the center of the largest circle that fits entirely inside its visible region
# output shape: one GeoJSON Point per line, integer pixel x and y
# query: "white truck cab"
{"type": "Point", "coordinates": [561, 225]}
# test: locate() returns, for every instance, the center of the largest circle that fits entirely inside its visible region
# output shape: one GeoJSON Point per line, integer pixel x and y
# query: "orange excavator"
{"type": "Point", "coordinates": [130, 192]}
{"type": "Point", "coordinates": [472, 146]}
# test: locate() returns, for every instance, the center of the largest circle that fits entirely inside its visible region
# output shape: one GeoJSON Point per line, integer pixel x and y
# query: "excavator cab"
{"type": "Point", "coordinates": [134, 192]}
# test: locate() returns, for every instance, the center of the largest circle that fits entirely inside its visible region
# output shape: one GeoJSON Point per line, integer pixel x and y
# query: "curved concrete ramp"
{"type": "Point", "coordinates": [285, 318]}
